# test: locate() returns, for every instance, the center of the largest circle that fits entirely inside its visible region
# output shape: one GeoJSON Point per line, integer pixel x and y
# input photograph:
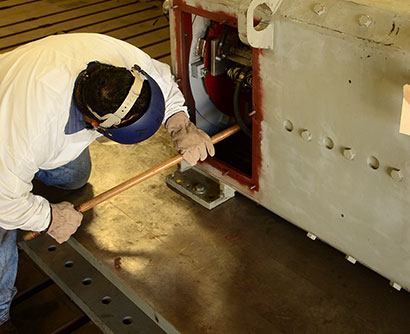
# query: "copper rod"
{"type": "Point", "coordinates": [139, 178]}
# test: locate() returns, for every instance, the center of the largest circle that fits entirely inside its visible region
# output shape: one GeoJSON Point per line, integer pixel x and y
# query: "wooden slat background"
{"type": "Point", "coordinates": [140, 23]}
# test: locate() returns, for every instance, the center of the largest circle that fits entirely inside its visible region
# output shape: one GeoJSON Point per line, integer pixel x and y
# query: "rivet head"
{"type": "Point", "coordinates": [306, 135]}
{"type": "Point", "coordinates": [199, 189]}
{"type": "Point", "coordinates": [349, 153]}
{"type": "Point", "coordinates": [397, 174]}
{"type": "Point", "coordinates": [319, 9]}
{"type": "Point", "coordinates": [365, 20]}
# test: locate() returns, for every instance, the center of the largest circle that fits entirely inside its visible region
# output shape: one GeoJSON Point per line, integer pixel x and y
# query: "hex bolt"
{"type": "Point", "coordinates": [365, 21]}
{"type": "Point", "coordinates": [349, 153]}
{"type": "Point", "coordinates": [397, 174]}
{"type": "Point", "coordinates": [306, 135]}
{"type": "Point", "coordinates": [311, 236]}
{"type": "Point", "coordinates": [199, 188]}
{"type": "Point", "coordinates": [204, 71]}
{"type": "Point", "coordinates": [351, 259]}
{"type": "Point", "coordinates": [319, 9]}
{"type": "Point", "coordinates": [395, 285]}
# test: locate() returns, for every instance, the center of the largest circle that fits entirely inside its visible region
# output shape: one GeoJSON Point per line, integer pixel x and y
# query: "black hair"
{"type": "Point", "coordinates": [104, 87]}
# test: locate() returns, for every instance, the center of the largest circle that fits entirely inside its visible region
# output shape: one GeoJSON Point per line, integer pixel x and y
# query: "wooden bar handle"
{"type": "Point", "coordinates": [137, 179]}
{"type": "Point", "coordinates": [30, 235]}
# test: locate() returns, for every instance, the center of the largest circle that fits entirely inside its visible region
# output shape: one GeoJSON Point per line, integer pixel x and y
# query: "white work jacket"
{"type": "Point", "coordinates": [36, 92]}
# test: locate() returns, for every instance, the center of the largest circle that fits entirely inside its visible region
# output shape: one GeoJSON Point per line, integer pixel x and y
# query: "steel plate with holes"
{"type": "Point", "coordinates": [106, 305]}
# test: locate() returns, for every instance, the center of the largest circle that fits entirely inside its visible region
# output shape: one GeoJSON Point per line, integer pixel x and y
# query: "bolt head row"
{"type": "Point", "coordinates": [364, 20]}
{"type": "Point", "coordinates": [350, 154]}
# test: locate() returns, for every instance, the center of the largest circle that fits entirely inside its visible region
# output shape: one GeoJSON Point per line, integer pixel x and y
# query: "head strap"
{"type": "Point", "coordinates": [109, 120]}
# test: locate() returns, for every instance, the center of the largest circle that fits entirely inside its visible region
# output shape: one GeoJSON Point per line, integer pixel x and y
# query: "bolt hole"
{"type": "Point", "coordinates": [156, 318]}
{"type": "Point", "coordinates": [87, 281]}
{"type": "Point", "coordinates": [127, 320]}
{"type": "Point", "coordinates": [262, 17]}
{"type": "Point", "coordinates": [373, 163]}
{"type": "Point", "coordinates": [106, 300]}
{"type": "Point", "coordinates": [350, 81]}
{"type": "Point", "coordinates": [52, 248]}
{"type": "Point", "coordinates": [288, 125]}
{"type": "Point", "coordinates": [342, 215]}
{"type": "Point", "coordinates": [68, 264]}
{"type": "Point", "coordinates": [329, 144]}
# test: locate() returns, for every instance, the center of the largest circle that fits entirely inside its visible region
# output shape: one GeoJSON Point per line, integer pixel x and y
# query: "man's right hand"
{"type": "Point", "coordinates": [64, 222]}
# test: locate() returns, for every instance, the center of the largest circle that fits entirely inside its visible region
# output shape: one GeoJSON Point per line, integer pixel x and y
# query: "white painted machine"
{"type": "Point", "coordinates": [317, 88]}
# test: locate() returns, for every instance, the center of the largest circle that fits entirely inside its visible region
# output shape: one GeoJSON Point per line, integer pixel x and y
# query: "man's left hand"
{"type": "Point", "coordinates": [193, 143]}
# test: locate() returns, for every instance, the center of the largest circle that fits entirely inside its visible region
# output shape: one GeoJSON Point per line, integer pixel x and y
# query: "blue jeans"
{"type": "Point", "coordinates": [73, 175]}
{"type": "Point", "coordinates": [8, 271]}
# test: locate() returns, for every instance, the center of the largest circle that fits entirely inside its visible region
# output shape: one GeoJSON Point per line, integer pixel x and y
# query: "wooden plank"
{"type": "Point", "coordinates": [158, 50]}
{"type": "Point", "coordinates": [44, 21]}
{"type": "Point", "coordinates": [41, 20]}
{"type": "Point", "coordinates": [4, 4]}
{"type": "Point", "coordinates": [129, 22]}
{"type": "Point", "coordinates": [138, 29]}
{"type": "Point", "coordinates": [35, 9]}
{"type": "Point", "coordinates": [151, 38]}
{"type": "Point", "coordinates": [66, 26]}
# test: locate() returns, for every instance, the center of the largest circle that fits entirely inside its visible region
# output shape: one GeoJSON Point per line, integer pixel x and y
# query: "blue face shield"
{"type": "Point", "coordinates": [147, 124]}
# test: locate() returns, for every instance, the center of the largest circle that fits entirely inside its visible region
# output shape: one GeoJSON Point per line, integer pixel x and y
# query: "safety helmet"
{"type": "Point", "coordinates": [145, 126]}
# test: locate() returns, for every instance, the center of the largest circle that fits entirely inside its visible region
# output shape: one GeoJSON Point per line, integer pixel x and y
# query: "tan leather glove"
{"type": "Point", "coordinates": [65, 221]}
{"type": "Point", "coordinates": [191, 142]}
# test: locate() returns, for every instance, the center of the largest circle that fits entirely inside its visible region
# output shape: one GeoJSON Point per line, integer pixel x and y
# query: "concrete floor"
{"type": "Point", "coordinates": [235, 269]}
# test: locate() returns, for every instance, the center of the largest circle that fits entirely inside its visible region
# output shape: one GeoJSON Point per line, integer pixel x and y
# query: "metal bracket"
{"type": "Point", "coordinates": [198, 69]}
{"type": "Point", "coordinates": [260, 36]}
{"type": "Point", "coordinates": [199, 186]}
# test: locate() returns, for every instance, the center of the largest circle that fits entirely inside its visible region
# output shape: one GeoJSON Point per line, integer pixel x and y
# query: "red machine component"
{"type": "Point", "coordinates": [239, 156]}
{"type": "Point", "coordinates": [220, 88]}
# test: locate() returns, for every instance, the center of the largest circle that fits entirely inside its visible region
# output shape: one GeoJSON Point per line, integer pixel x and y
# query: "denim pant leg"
{"type": "Point", "coordinates": [71, 176]}
{"type": "Point", "coordinates": [8, 271]}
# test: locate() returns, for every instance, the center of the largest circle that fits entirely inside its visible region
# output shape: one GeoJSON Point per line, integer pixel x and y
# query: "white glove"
{"type": "Point", "coordinates": [65, 221]}
{"type": "Point", "coordinates": [191, 142]}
